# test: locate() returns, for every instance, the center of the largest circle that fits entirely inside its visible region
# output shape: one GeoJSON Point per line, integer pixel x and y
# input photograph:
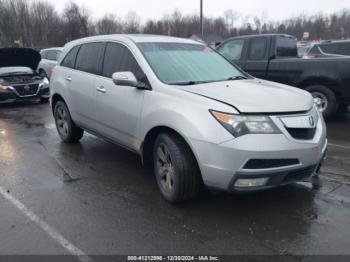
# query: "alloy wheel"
{"type": "Point", "coordinates": [62, 121]}
{"type": "Point", "coordinates": [166, 171]}
{"type": "Point", "coordinates": [321, 100]}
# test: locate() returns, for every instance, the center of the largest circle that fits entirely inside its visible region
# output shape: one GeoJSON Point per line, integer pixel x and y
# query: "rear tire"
{"type": "Point", "coordinates": [66, 128]}
{"type": "Point", "coordinates": [328, 100]}
{"type": "Point", "coordinates": [175, 168]}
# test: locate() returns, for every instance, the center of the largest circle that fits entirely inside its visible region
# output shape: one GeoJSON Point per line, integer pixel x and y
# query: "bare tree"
{"type": "Point", "coordinates": [132, 23]}
{"type": "Point", "coordinates": [109, 24]}
{"type": "Point", "coordinates": [231, 17]}
{"type": "Point", "coordinates": [77, 21]}
{"type": "Point", "coordinates": [36, 23]}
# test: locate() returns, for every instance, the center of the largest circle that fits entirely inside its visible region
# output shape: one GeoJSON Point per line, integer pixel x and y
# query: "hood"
{"type": "Point", "coordinates": [255, 96]}
{"type": "Point", "coordinates": [25, 57]}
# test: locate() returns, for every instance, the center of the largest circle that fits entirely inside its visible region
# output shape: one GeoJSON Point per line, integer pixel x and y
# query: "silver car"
{"type": "Point", "coordinates": [197, 118]}
{"type": "Point", "coordinates": [49, 58]}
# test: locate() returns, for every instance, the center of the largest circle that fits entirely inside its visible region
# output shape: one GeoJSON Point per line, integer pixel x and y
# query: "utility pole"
{"type": "Point", "coordinates": [201, 18]}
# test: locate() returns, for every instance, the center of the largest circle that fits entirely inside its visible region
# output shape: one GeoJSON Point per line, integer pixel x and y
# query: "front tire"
{"type": "Point", "coordinates": [328, 103]}
{"type": "Point", "coordinates": [66, 128]}
{"type": "Point", "coordinates": [175, 168]}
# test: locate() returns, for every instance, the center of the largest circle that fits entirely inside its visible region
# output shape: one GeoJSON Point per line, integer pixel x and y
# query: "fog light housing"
{"type": "Point", "coordinates": [251, 182]}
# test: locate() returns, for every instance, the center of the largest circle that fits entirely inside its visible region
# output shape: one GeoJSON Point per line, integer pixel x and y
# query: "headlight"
{"type": "Point", "coordinates": [2, 86]}
{"type": "Point", "coordinates": [46, 81]}
{"type": "Point", "coordinates": [239, 125]}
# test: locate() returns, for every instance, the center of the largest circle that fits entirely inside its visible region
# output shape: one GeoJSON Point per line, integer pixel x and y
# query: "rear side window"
{"type": "Point", "coordinates": [89, 57]}
{"type": "Point", "coordinates": [43, 54]}
{"type": "Point", "coordinates": [118, 58]}
{"type": "Point", "coordinates": [314, 50]}
{"type": "Point", "coordinates": [258, 49]}
{"type": "Point", "coordinates": [232, 50]}
{"type": "Point", "coordinates": [286, 47]}
{"type": "Point", "coordinates": [52, 55]}
{"type": "Point", "coordinates": [69, 60]}
{"type": "Point", "coordinates": [336, 48]}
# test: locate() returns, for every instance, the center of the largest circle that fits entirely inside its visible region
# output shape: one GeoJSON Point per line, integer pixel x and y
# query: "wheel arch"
{"type": "Point", "coordinates": [54, 99]}
{"type": "Point", "coordinates": [330, 83]}
{"type": "Point", "coordinates": [148, 142]}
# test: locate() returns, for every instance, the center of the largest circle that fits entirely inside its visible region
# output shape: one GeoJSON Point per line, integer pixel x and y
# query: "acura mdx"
{"type": "Point", "coordinates": [186, 110]}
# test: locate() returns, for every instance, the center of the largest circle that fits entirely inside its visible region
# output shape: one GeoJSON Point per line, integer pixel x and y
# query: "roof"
{"type": "Point", "coordinates": [209, 38]}
{"type": "Point", "coordinates": [136, 38]}
{"type": "Point", "coordinates": [250, 36]}
{"type": "Point", "coordinates": [334, 41]}
{"type": "Point", "coordinates": [52, 48]}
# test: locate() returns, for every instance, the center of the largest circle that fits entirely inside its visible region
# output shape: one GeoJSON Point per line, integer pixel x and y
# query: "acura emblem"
{"type": "Point", "coordinates": [311, 121]}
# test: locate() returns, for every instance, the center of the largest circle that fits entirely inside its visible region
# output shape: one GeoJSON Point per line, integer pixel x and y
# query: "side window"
{"type": "Point", "coordinates": [286, 46]}
{"type": "Point", "coordinates": [329, 48]}
{"type": "Point", "coordinates": [52, 55]}
{"type": "Point", "coordinates": [89, 57]}
{"type": "Point", "coordinates": [314, 50]}
{"type": "Point", "coordinates": [58, 55]}
{"type": "Point", "coordinates": [257, 49]}
{"type": "Point", "coordinates": [118, 58]}
{"type": "Point", "coordinates": [232, 50]}
{"type": "Point", "coordinates": [43, 54]}
{"type": "Point", "coordinates": [69, 60]}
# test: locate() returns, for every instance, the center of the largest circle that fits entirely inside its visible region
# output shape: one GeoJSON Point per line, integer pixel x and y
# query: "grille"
{"type": "Point", "coordinates": [269, 163]}
{"type": "Point", "coordinates": [27, 90]}
{"type": "Point", "coordinates": [19, 79]}
{"type": "Point", "coordinates": [302, 133]}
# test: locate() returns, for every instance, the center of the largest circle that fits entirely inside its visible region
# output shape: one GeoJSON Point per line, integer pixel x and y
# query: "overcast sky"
{"type": "Point", "coordinates": [276, 9]}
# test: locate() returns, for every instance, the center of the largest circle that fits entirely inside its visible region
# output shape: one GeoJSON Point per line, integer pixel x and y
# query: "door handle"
{"type": "Point", "coordinates": [101, 89]}
{"type": "Point", "coordinates": [69, 79]}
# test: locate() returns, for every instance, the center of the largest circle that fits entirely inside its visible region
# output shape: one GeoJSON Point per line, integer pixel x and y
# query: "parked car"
{"type": "Point", "coordinates": [189, 112]}
{"type": "Point", "coordinates": [329, 48]}
{"type": "Point", "coordinates": [274, 57]}
{"type": "Point", "coordinates": [48, 61]}
{"type": "Point", "coordinates": [18, 78]}
{"type": "Point", "coordinates": [304, 47]}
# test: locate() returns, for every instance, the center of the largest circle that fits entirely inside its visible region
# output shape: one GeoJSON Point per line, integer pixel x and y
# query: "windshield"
{"type": "Point", "coordinates": [180, 63]}
{"type": "Point", "coordinates": [15, 70]}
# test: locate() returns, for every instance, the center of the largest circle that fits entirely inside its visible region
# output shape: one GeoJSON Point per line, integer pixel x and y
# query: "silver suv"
{"type": "Point", "coordinates": [186, 110]}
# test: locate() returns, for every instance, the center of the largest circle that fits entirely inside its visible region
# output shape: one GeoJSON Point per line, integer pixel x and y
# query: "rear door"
{"type": "Point", "coordinates": [234, 50]}
{"type": "Point", "coordinates": [118, 108]}
{"type": "Point", "coordinates": [82, 81]}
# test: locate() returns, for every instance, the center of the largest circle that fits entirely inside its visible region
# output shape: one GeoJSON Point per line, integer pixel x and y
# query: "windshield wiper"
{"type": "Point", "coordinates": [237, 78]}
{"type": "Point", "coordinates": [189, 83]}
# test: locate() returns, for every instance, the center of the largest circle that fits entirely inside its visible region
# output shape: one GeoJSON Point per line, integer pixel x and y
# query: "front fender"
{"type": "Point", "coordinates": [191, 119]}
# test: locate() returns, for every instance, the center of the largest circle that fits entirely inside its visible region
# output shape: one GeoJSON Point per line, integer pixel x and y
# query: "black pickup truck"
{"type": "Point", "coordinates": [274, 57]}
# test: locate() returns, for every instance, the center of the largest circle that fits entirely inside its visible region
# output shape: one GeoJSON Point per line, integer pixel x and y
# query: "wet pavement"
{"type": "Point", "coordinates": [100, 199]}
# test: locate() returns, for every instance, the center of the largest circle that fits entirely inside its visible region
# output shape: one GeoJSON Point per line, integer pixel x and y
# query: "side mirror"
{"type": "Point", "coordinates": [124, 79]}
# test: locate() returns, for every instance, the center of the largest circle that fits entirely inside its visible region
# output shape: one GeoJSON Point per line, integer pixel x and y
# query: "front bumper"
{"type": "Point", "coordinates": [223, 164]}
{"type": "Point", "coordinates": [10, 95]}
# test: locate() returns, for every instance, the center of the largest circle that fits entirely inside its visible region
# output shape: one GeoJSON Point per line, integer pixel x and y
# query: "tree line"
{"type": "Point", "coordinates": [39, 24]}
